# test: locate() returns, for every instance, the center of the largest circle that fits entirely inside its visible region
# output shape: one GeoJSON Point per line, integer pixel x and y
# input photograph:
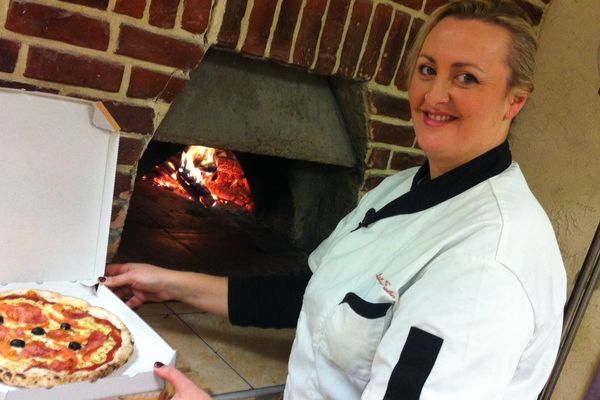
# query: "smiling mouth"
{"type": "Point", "coordinates": [440, 117]}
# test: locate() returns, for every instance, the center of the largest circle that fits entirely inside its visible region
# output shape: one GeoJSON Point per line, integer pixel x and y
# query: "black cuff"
{"type": "Point", "coordinates": [267, 301]}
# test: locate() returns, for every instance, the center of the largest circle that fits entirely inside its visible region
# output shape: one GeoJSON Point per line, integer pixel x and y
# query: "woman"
{"type": "Point", "coordinates": [446, 281]}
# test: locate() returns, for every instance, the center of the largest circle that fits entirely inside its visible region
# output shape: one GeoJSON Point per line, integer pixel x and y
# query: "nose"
{"type": "Point", "coordinates": [438, 93]}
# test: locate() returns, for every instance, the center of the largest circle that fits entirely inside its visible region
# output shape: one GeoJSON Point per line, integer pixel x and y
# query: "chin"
{"type": "Point", "coordinates": [432, 144]}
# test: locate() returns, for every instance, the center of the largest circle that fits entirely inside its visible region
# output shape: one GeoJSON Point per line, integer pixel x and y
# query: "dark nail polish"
{"type": "Point", "coordinates": [102, 279]}
{"type": "Point", "coordinates": [158, 364]}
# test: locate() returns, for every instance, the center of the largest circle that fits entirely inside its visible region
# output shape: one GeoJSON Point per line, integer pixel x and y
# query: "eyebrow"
{"type": "Point", "coordinates": [454, 65]}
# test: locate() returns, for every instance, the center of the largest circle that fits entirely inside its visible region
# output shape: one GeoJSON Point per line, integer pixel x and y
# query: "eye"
{"type": "Point", "coordinates": [467, 79]}
{"type": "Point", "coordinates": [426, 70]}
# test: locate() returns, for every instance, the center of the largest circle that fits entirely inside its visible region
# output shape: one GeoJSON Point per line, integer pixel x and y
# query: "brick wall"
{"type": "Point", "coordinates": [136, 56]}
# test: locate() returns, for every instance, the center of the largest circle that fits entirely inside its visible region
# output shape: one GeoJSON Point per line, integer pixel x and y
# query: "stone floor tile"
{"type": "Point", "coordinates": [259, 355]}
{"type": "Point", "coordinates": [194, 358]}
{"type": "Point", "coordinates": [153, 309]}
{"type": "Point", "coordinates": [180, 308]}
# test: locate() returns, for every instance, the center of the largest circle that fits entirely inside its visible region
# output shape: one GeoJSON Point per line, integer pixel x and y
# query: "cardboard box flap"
{"type": "Point", "coordinates": [57, 185]}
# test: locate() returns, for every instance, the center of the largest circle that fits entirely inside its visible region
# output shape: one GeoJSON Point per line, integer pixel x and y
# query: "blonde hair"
{"type": "Point", "coordinates": [503, 13]}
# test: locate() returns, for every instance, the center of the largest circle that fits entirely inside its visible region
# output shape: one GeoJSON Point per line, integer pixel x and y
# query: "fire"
{"type": "Point", "coordinates": [198, 163]}
{"type": "Point", "coordinates": [207, 175]}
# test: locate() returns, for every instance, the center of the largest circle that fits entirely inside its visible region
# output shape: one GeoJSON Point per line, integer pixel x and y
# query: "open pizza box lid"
{"type": "Point", "coordinates": [59, 160]}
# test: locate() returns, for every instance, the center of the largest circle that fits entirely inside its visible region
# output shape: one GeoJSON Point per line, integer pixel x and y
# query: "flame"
{"type": "Point", "coordinates": [198, 162]}
{"type": "Point", "coordinates": [210, 176]}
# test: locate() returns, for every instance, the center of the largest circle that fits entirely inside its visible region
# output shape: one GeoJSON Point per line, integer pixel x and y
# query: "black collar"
{"type": "Point", "coordinates": [426, 192]}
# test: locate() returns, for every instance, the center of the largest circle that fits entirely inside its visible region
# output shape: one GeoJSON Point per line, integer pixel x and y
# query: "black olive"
{"type": "Point", "coordinates": [65, 326]}
{"type": "Point", "coordinates": [38, 331]}
{"type": "Point", "coordinates": [74, 346]}
{"type": "Point", "coordinates": [1, 319]}
{"type": "Point", "coordinates": [17, 343]}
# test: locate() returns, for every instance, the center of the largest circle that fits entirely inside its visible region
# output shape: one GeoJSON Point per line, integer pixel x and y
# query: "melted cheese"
{"type": "Point", "coordinates": [80, 331]}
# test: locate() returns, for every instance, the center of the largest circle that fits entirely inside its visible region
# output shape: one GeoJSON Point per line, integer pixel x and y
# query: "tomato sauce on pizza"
{"type": "Point", "coordinates": [48, 339]}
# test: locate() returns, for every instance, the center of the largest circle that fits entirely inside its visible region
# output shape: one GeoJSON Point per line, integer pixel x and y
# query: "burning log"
{"type": "Point", "coordinates": [208, 176]}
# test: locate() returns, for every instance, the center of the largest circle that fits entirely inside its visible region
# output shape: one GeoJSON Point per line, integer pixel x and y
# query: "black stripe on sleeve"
{"type": "Point", "coordinates": [414, 366]}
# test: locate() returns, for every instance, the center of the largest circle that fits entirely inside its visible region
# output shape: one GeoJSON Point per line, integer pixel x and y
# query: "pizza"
{"type": "Point", "coordinates": [47, 339]}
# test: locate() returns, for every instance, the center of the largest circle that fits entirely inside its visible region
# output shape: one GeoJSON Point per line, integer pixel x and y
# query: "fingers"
{"type": "Point", "coordinates": [173, 376]}
{"type": "Point", "coordinates": [116, 269]}
{"type": "Point", "coordinates": [123, 292]}
{"type": "Point", "coordinates": [134, 302]}
{"type": "Point", "coordinates": [115, 281]}
{"type": "Point", "coordinates": [185, 389]}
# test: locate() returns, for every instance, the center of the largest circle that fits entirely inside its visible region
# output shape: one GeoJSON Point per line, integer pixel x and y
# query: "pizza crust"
{"type": "Point", "coordinates": [41, 377]}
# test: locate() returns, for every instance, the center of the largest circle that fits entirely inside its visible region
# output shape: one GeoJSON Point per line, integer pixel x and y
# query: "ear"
{"type": "Point", "coordinates": [517, 99]}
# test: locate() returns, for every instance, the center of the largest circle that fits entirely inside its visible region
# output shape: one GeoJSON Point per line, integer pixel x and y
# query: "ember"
{"type": "Point", "coordinates": [206, 175]}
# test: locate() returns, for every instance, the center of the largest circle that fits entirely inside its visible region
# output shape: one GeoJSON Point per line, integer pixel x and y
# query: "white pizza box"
{"type": "Point", "coordinates": [58, 161]}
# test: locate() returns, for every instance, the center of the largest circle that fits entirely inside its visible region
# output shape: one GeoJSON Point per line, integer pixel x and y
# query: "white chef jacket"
{"type": "Point", "coordinates": [459, 301]}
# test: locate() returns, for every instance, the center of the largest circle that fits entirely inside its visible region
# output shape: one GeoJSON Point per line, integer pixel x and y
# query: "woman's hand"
{"type": "Point", "coordinates": [140, 283]}
{"type": "Point", "coordinates": [184, 388]}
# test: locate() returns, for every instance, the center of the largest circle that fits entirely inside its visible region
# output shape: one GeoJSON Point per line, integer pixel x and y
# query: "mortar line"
{"type": "Point", "coordinates": [338, 54]}
{"type": "Point", "coordinates": [318, 45]}
{"type": "Point", "coordinates": [296, 32]}
{"type": "Point", "coordinates": [273, 27]}
{"type": "Point", "coordinates": [244, 26]}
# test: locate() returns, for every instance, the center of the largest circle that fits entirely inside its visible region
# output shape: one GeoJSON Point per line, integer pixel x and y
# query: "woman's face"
{"type": "Point", "coordinates": [459, 97]}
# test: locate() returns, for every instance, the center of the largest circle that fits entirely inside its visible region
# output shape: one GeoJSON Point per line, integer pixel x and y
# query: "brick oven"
{"type": "Point", "coordinates": [138, 56]}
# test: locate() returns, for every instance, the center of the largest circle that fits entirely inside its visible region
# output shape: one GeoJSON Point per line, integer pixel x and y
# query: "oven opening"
{"type": "Point", "coordinates": [210, 210]}
{"type": "Point", "coordinates": [272, 160]}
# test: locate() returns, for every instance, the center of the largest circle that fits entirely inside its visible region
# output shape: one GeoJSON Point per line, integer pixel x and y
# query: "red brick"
{"type": "Point", "coordinates": [361, 14]}
{"type": "Point", "coordinates": [163, 13]}
{"type": "Point", "coordinates": [57, 24]}
{"type": "Point", "coordinates": [9, 52]}
{"type": "Point", "coordinates": [25, 86]}
{"type": "Point", "coordinates": [146, 84]}
{"type": "Point", "coordinates": [99, 4]}
{"type": "Point", "coordinates": [393, 49]}
{"type": "Point", "coordinates": [414, 4]}
{"type": "Point", "coordinates": [133, 8]}
{"type": "Point", "coordinates": [284, 31]}
{"type": "Point", "coordinates": [117, 219]}
{"type": "Point", "coordinates": [400, 80]}
{"type": "Point", "coordinates": [379, 158]}
{"type": "Point", "coordinates": [391, 134]}
{"type": "Point", "coordinates": [50, 65]}
{"type": "Point", "coordinates": [115, 212]}
{"type": "Point", "coordinates": [383, 104]}
{"type": "Point", "coordinates": [433, 5]}
{"type": "Point", "coordinates": [232, 20]}
{"type": "Point", "coordinates": [379, 27]}
{"type": "Point", "coordinates": [130, 151]}
{"type": "Point", "coordinates": [196, 14]}
{"type": "Point", "coordinates": [123, 185]}
{"type": "Point", "coordinates": [132, 118]}
{"type": "Point", "coordinates": [143, 45]}
{"type": "Point", "coordinates": [402, 161]}
{"type": "Point", "coordinates": [259, 27]}
{"type": "Point", "coordinates": [114, 241]}
{"type": "Point", "coordinates": [372, 181]}
{"type": "Point", "coordinates": [308, 35]}
{"type": "Point", "coordinates": [332, 35]}
{"type": "Point", "coordinates": [534, 12]}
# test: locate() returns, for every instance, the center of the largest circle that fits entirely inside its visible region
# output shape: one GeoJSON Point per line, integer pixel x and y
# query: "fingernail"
{"type": "Point", "coordinates": [158, 364]}
{"type": "Point", "coordinates": [102, 279]}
